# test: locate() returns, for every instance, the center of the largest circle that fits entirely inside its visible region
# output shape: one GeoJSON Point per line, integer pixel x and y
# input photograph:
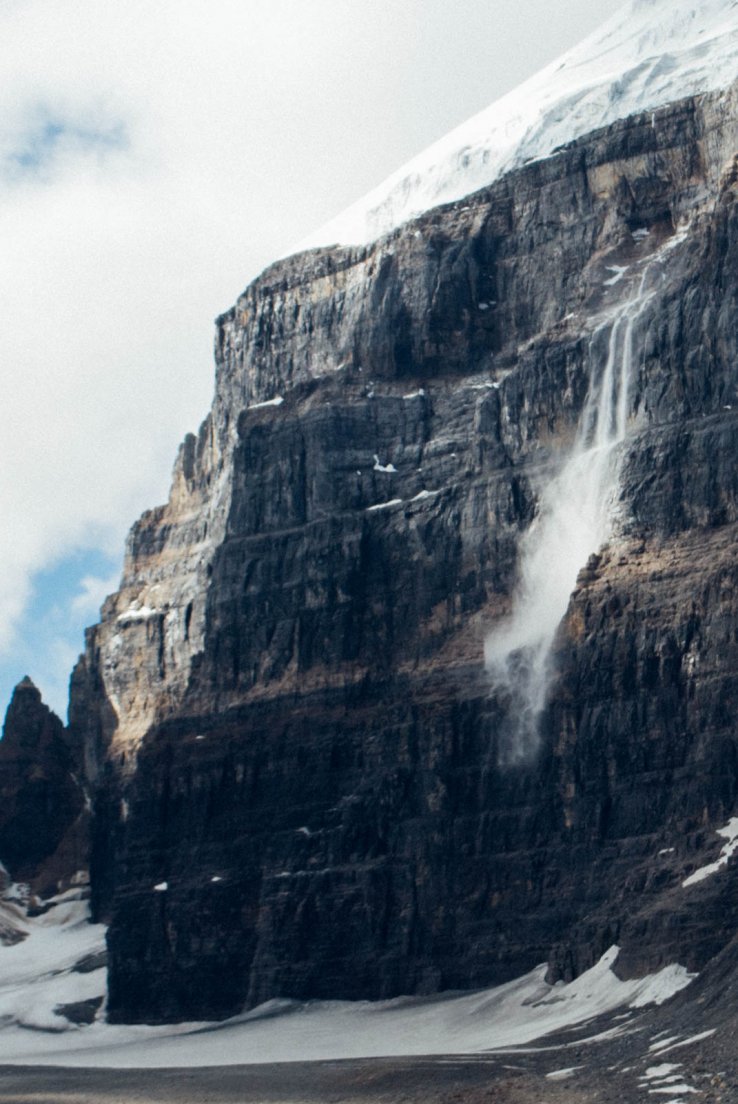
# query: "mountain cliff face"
{"type": "Point", "coordinates": [301, 766]}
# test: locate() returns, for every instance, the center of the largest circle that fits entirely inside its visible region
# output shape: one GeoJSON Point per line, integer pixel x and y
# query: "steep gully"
{"type": "Point", "coordinates": [284, 713]}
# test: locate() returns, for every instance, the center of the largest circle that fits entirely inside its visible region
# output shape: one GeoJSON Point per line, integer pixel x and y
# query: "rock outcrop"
{"type": "Point", "coordinates": [43, 829]}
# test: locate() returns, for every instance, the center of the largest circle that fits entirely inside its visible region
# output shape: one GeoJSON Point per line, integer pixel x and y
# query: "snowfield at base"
{"type": "Point", "coordinates": [650, 53]}
{"type": "Point", "coordinates": [38, 975]}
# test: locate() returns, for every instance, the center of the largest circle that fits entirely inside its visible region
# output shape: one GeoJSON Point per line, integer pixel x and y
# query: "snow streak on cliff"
{"type": "Point", "coordinates": [651, 53]}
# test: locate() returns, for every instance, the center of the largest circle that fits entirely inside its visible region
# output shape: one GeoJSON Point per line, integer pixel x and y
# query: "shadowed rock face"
{"type": "Point", "coordinates": [41, 798]}
{"type": "Point", "coordinates": [293, 741]}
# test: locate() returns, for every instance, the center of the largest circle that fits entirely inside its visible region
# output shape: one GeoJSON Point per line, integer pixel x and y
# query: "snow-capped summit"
{"type": "Point", "coordinates": [650, 53]}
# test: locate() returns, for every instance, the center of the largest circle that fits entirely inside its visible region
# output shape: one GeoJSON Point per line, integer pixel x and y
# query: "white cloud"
{"type": "Point", "coordinates": [92, 593]}
{"type": "Point", "coordinates": [153, 157]}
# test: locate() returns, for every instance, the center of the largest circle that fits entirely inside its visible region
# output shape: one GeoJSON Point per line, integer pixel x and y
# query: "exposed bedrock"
{"type": "Point", "coordinates": [294, 743]}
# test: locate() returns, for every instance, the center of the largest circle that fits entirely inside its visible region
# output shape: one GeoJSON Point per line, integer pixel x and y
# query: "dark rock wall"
{"type": "Point", "coordinates": [647, 750]}
{"type": "Point", "coordinates": [316, 792]}
{"type": "Point", "coordinates": [43, 840]}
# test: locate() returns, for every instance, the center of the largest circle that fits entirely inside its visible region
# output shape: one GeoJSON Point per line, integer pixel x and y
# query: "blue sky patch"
{"type": "Point", "coordinates": [42, 143]}
{"type": "Point", "coordinates": [65, 601]}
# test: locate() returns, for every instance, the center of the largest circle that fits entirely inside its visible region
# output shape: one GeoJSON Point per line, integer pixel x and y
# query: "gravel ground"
{"type": "Point", "coordinates": [379, 1081]}
{"type": "Point", "coordinates": [685, 1051]}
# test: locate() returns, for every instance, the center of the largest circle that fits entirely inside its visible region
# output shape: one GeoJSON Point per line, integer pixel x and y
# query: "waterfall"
{"type": "Point", "coordinates": [574, 519]}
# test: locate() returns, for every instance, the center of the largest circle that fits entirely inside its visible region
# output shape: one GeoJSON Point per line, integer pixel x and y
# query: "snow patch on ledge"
{"type": "Point", "coordinates": [137, 613]}
{"type": "Point", "coordinates": [276, 401]}
{"type": "Point", "coordinates": [390, 469]}
{"type": "Point", "coordinates": [646, 56]}
{"type": "Point", "coordinates": [728, 832]}
{"type": "Point", "coordinates": [619, 271]}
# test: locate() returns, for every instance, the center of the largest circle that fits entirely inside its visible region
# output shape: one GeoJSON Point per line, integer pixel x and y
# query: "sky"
{"type": "Point", "coordinates": [154, 158]}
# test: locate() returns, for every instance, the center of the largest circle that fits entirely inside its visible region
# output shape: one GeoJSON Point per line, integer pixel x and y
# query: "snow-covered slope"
{"type": "Point", "coordinates": [285, 1031]}
{"type": "Point", "coordinates": [57, 965]}
{"type": "Point", "coordinates": [650, 53]}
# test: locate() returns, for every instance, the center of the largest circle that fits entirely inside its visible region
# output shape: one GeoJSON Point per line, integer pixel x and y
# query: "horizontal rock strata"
{"type": "Point", "coordinates": [294, 745]}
